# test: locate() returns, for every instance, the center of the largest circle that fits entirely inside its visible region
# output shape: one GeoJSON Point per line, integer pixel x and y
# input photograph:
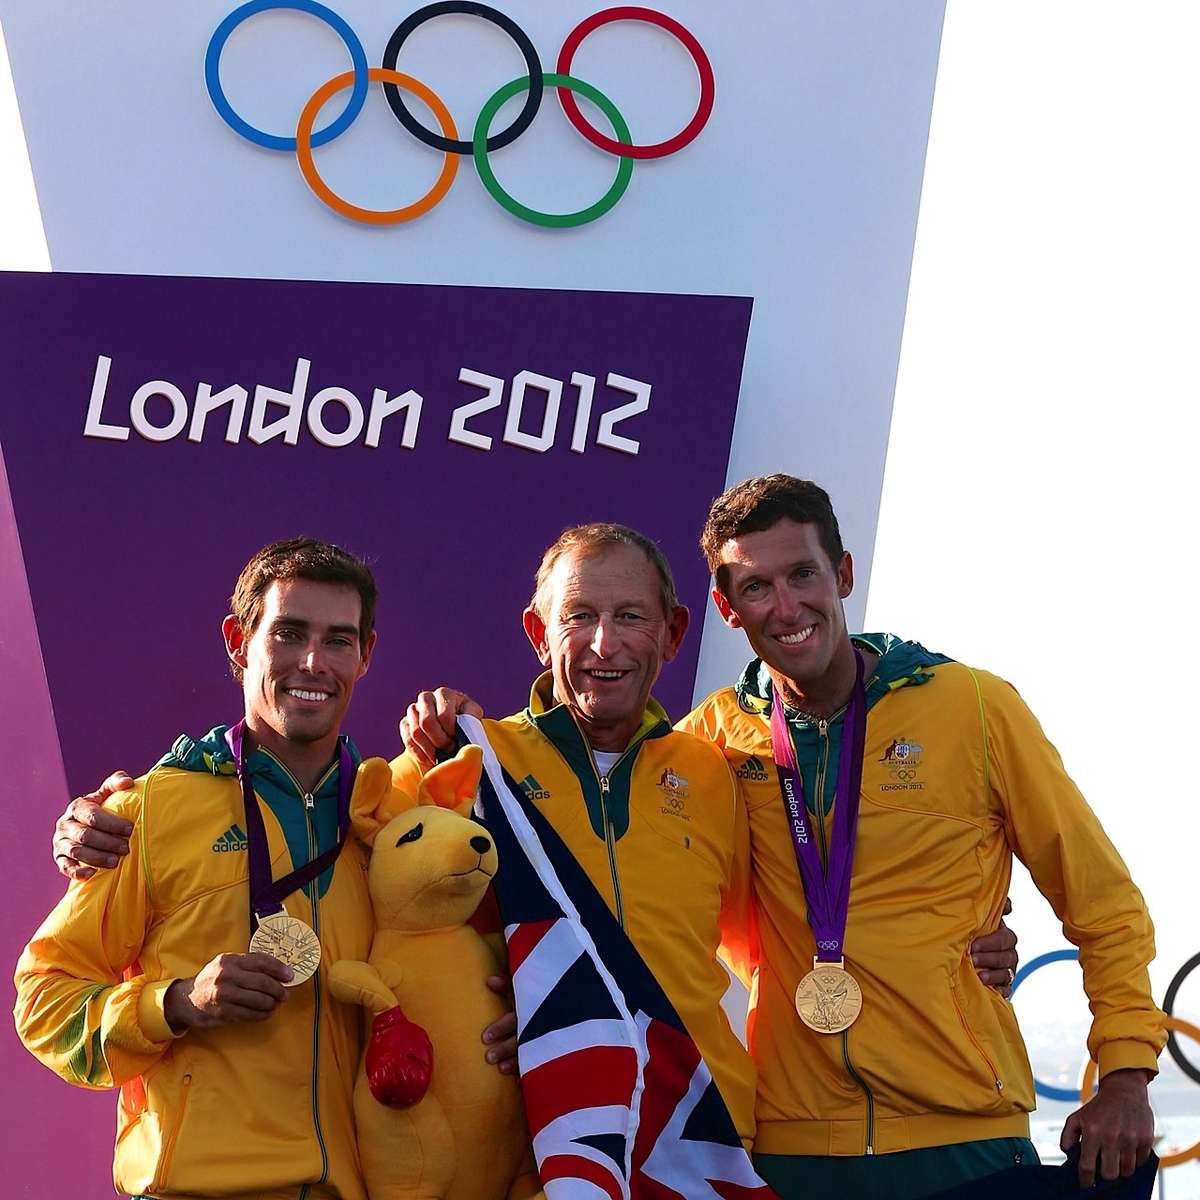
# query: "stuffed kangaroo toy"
{"type": "Point", "coordinates": [465, 1138]}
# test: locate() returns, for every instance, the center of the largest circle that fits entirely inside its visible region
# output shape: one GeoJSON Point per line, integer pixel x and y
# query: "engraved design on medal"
{"type": "Point", "coordinates": [828, 999]}
{"type": "Point", "coordinates": [292, 942]}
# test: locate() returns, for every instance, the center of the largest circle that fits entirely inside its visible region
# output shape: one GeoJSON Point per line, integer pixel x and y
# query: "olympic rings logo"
{"type": "Point", "coordinates": [482, 141]}
{"type": "Point", "coordinates": [1175, 1025]}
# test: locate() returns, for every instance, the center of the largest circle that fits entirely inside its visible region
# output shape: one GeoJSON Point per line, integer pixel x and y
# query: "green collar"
{"type": "Point", "coordinates": [555, 722]}
{"type": "Point", "coordinates": [308, 831]}
{"type": "Point", "coordinates": [901, 664]}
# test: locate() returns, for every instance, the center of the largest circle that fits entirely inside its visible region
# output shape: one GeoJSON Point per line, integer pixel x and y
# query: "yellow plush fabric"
{"type": "Point", "coordinates": [466, 1138]}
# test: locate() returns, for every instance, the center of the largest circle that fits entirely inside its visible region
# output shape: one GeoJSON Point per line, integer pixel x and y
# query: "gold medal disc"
{"type": "Point", "coordinates": [828, 999]}
{"type": "Point", "coordinates": [292, 942]}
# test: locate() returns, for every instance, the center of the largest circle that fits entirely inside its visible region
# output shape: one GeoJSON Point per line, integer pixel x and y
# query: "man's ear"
{"type": "Point", "coordinates": [845, 575]}
{"type": "Point", "coordinates": [725, 608]}
{"type": "Point", "coordinates": [677, 626]}
{"type": "Point", "coordinates": [367, 651]}
{"type": "Point", "coordinates": [235, 641]}
{"type": "Point", "coordinates": [453, 784]}
{"type": "Point", "coordinates": [535, 631]}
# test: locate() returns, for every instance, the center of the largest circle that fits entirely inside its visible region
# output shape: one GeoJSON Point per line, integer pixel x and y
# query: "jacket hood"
{"type": "Point", "coordinates": [209, 754]}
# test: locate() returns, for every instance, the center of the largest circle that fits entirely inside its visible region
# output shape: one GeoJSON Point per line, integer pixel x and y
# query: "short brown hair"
{"type": "Point", "coordinates": [301, 558]}
{"type": "Point", "coordinates": [757, 504]}
{"type": "Point", "coordinates": [597, 534]}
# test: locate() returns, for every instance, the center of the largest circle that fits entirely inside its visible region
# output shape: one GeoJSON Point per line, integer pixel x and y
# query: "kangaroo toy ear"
{"type": "Point", "coordinates": [375, 801]}
{"type": "Point", "coordinates": [453, 784]}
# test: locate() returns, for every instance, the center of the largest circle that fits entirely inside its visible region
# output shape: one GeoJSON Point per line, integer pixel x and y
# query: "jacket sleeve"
{"type": "Point", "coordinates": [1057, 836]}
{"type": "Point", "coordinates": [83, 1007]}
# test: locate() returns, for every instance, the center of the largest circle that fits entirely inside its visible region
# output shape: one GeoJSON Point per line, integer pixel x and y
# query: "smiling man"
{"type": "Point", "coordinates": [649, 813]}
{"type": "Point", "coordinates": [235, 1068]}
{"type": "Point", "coordinates": [887, 789]}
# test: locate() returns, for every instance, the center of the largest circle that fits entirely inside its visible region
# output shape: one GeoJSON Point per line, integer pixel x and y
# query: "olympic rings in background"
{"type": "Point", "coordinates": [565, 85]}
{"type": "Point", "coordinates": [1045, 1090]}
{"type": "Point", "coordinates": [1175, 1025]}
{"type": "Point", "coordinates": [483, 142]}
{"type": "Point", "coordinates": [305, 140]}
{"type": "Point", "coordinates": [396, 102]}
{"type": "Point", "coordinates": [1181, 1060]}
{"type": "Point", "coordinates": [630, 13]}
{"type": "Point", "coordinates": [212, 72]}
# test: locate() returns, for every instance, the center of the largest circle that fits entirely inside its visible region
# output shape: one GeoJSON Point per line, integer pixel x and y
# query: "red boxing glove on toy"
{"type": "Point", "coordinates": [399, 1060]}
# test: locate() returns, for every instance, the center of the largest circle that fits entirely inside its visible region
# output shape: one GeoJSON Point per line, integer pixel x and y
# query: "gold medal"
{"type": "Point", "coordinates": [828, 999]}
{"type": "Point", "coordinates": [292, 942]}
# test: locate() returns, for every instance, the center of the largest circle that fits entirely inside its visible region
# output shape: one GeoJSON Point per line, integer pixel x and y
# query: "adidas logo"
{"type": "Point", "coordinates": [232, 840]}
{"type": "Point", "coordinates": [753, 769]}
{"type": "Point", "coordinates": [533, 790]}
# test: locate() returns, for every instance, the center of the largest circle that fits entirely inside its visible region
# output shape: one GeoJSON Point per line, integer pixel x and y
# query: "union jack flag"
{"type": "Point", "coordinates": [620, 1104]}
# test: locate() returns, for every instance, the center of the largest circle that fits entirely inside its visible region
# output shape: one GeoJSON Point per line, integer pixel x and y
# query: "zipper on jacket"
{"type": "Point", "coordinates": [866, 1091]}
{"type": "Point", "coordinates": [819, 813]}
{"type": "Point", "coordinates": [610, 840]}
{"type": "Point", "coordinates": [168, 1154]}
{"type": "Point", "coordinates": [333, 766]}
{"type": "Point", "coordinates": [311, 889]}
{"type": "Point", "coordinates": [987, 1059]}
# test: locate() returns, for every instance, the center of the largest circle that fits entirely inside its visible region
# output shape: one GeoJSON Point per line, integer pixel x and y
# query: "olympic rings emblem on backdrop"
{"type": "Point", "coordinates": [482, 141]}
{"type": "Point", "coordinates": [1175, 1025]}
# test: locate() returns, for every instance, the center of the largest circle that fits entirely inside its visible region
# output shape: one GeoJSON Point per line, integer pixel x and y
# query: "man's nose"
{"type": "Point", "coordinates": [312, 657]}
{"type": "Point", "coordinates": [605, 638]}
{"type": "Point", "coordinates": [789, 605]}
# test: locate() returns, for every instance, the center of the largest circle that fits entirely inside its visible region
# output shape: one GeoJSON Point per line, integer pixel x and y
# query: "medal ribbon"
{"type": "Point", "coordinates": [267, 894]}
{"type": "Point", "coordinates": [826, 890]}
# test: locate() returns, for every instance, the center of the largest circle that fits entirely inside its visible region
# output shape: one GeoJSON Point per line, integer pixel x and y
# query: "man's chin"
{"type": "Point", "coordinates": [305, 732]}
{"type": "Point", "coordinates": [799, 664]}
{"type": "Point", "coordinates": [608, 711]}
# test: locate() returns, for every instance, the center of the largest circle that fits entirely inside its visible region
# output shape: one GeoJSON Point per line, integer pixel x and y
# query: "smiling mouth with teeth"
{"type": "Point", "coordinates": [607, 674]}
{"type": "Point", "coordinates": [301, 694]}
{"type": "Point", "coordinates": [794, 639]}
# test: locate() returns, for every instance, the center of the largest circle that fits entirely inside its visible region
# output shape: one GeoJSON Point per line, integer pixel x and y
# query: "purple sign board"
{"type": "Point", "coordinates": [157, 431]}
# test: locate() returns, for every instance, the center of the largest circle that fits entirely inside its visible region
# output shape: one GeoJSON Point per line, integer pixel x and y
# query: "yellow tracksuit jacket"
{"type": "Point", "coordinates": [958, 776]}
{"type": "Point", "coordinates": [261, 1110]}
{"type": "Point", "coordinates": [664, 840]}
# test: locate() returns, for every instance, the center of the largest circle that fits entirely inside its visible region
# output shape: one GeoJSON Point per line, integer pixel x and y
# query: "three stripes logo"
{"type": "Point", "coordinates": [231, 841]}
{"type": "Point", "coordinates": [753, 769]}
{"type": "Point", "coordinates": [533, 790]}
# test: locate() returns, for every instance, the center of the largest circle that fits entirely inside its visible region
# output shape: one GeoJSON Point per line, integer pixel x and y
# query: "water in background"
{"type": "Point", "coordinates": [1174, 1097]}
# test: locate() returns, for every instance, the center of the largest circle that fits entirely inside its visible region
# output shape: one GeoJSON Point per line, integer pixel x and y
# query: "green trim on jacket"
{"type": "Point", "coordinates": [555, 722]}
{"type": "Point", "coordinates": [901, 664]}
{"type": "Point", "coordinates": [276, 786]}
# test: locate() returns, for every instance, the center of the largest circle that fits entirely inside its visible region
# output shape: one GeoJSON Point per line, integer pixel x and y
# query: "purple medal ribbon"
{"type": "Point", "coordinates": [267, 894]}
{"type": "Point", "coordinates": [826, 890]}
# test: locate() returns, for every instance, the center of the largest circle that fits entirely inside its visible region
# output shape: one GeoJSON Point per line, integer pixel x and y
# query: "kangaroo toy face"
{"type": "Point", "coordinates": [429, 868]}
